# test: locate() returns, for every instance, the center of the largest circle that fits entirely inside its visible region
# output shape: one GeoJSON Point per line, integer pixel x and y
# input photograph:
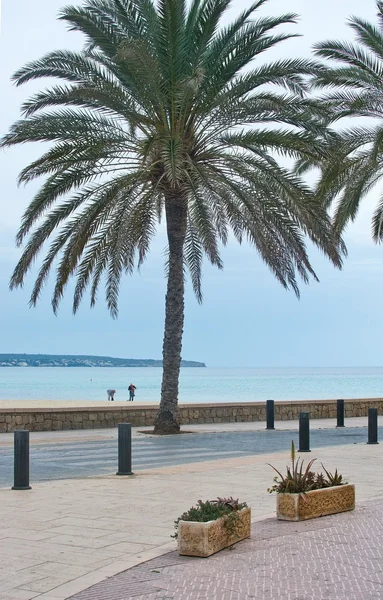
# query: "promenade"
{"type": "Point", "coordinates": [63, 537]}
{"type": "Point", "coordinates": [334, 558]}
{"type": "Point", "coordinates": [84, 454]}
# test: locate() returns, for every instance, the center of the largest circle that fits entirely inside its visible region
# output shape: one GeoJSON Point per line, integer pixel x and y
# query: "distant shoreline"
{"type": "Point", "coordinates": [135, 366]}
{"type": "Point", "coordinates": [73, 360]}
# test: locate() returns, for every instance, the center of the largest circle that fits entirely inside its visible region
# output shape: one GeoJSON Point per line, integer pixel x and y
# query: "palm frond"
{"type": "Point", "coordinates": [166, 111]}
{"type": "Point", "coordinates": [353, 84]}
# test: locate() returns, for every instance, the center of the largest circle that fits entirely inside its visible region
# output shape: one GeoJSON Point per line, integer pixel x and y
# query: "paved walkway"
{"type": "Point", "coordinates": [79, 435]}
{"type": "Point", "coordinates": [62, 537]}
{"type": "Point", "coordinates": [79, 458]}
{"type": "Point", "coordinates": [334, 558]}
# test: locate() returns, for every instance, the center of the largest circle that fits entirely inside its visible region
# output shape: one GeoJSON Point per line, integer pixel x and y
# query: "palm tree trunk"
{"type": "Point", "coordinates": [176, 221]}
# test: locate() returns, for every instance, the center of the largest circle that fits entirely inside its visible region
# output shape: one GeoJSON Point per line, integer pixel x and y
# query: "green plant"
{"type": "Point", "coordinates": [300, 479]}
{"type": "Point", "coordinates": [353, 84]}
{"type": "Point", "coordinates": [211, 510]}
{"type": "Point", "coordinates": [164, 115]}
{"type": "Point", "coordinates": [333, 479]}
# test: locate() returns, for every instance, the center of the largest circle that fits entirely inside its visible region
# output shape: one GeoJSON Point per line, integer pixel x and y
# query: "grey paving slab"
{"type": "Point", "coordinates": [49, 461]}
{"type": "Point", "coordinates": [84, 435]}
{"type": "Point", "coordinates": [333, 558]}
{"type": "Point", "coordinates": [87, 530]}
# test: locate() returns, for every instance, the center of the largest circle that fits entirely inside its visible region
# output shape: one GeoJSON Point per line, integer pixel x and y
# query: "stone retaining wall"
{"type": "Point", "coordinates": [54, 419]}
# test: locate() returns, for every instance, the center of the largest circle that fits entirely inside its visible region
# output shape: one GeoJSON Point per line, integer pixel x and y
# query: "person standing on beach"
{"type": "Point", "coordinates": [111, 395]}
{"type": "Point", "coordinates": [132, 388]}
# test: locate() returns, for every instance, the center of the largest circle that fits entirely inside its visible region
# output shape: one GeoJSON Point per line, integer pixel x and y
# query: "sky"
{"type": "Point", "coordinates": [247, 319]}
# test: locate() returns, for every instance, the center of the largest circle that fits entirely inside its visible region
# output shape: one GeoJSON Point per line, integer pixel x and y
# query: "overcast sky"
{"type": "Point", "coordinates": [246, 319]}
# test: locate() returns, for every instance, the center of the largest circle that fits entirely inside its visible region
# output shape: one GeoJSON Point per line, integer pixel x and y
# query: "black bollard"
{"type": "Point", "coordinates": [304, 432]}
{"type": "Point", "coordinates": [124, 449]}
{"type": "Point", "coordinates": [270, 414]}
{"type": "Point", "coordinates": [21, 460]}
{"type": "Point", "coordinates": [340, 413]}
{"type": "Point", "coordinates": [372, 426]}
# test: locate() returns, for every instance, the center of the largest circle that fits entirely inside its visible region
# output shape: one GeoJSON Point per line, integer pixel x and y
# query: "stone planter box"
{"type": "Point", "coordinates": [317, 503]}
{"type": "Point", "coordinates": [205, 539]}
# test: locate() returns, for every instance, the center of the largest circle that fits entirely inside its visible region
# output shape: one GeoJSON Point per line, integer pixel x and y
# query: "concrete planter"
{"type": "Point", "coordinates": [205, 539]}
{"type": "Point", "coordinates": [318, 503]}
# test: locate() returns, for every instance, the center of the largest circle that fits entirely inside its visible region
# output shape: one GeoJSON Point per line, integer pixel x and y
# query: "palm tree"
{"type": "Point", "coordinates": [162, 113]}
{"type": "Point", "coordinates": [353, 82]}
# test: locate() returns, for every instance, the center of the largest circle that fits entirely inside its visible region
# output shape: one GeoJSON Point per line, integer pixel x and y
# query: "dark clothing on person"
{"type": "Point", "coordinates": [132, 388]}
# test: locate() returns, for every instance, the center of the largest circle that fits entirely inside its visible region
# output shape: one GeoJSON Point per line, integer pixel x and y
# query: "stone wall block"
{"type": "Point", "coordinates": [139, 416]}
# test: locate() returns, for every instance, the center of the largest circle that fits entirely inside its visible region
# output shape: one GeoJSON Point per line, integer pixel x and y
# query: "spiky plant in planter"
{"type": "Point", "coordinates": [299, 480]}
{"type": "Point", "coordinates": [305, 494]}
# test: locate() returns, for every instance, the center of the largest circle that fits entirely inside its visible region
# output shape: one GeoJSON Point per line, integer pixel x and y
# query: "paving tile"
{"type": "Point", "coordinates": [56, 568]}
{"type": "Point", "coordinates": [78, 542]}
{"type": "Point", "coordinates": [19, 594]}
{"type": "Point", "coordinates": [92, 560]}
{"type": "Point", "coordinates": [45, 584]}
{"type": "Point", "coordinates": [83, 531]}
{"type": "Point", "coordinates": [129, 547]}
{"type": "Point", "coordinates": [47, 596]}
{"type": "Point", "coordinates": [24, 534]}
{"type": "Point", "coordinates": [94, 524]}
{"type": "Point", "coordinates": [136, 538]}
{"type": "Point", "coordinates": [281, 561]}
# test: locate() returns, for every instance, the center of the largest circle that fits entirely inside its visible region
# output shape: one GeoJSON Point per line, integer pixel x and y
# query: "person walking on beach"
{"type": "Point", "coordinates": [132, 388]}
{"type": "Point", "coordinates": [111, 395]}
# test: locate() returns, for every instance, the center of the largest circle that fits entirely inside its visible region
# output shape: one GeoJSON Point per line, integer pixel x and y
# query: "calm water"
{"type": "Point", "coordinates": [197, 384]}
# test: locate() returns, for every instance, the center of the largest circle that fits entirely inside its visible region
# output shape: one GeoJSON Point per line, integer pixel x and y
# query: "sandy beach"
{"type": "Point", "coordinates": [70, 404]}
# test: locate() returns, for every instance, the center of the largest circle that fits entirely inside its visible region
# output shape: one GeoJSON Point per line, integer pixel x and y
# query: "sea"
{"type": "Point", "coordinates": [196, 384]}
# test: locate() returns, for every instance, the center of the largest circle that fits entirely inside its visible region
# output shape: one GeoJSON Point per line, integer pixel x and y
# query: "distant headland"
{"type": "Point", "coordinates": [69, 360]}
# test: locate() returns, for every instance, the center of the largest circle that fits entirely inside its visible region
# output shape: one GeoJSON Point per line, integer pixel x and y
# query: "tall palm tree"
{"type": "Point", "coordinates": [162, 113]}
{"type": "Point", "coordinates": [353, 82]}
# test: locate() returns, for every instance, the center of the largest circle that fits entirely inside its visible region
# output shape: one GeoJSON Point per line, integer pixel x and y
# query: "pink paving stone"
{"type": "Point", "coordinates": [333, 558]}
